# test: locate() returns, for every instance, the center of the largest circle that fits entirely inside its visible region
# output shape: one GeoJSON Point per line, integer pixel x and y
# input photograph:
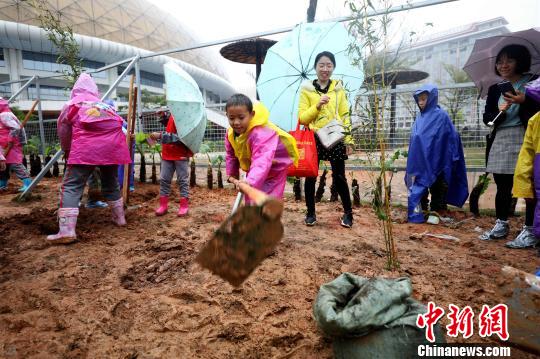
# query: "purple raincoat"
{"type": "Point", "coordinates": [90, 131]}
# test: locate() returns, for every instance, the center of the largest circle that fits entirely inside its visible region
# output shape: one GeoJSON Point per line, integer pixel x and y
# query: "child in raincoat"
{"type": "Point", "coordinates": [174, 157]}
{"type": "Point", "coordinates": [12, 138]}
{"type": "Point", "coordinates": [435, 162]}
{"type": "Point", "coordinates": [527, 172]}
{"type": "Point", "coordinates": [257, 146]}
{"type": "Point", "coordinates": [91, 135]}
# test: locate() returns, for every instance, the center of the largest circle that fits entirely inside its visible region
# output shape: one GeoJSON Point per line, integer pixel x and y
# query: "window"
{"type": "Point", "coordinates": [49, 92]}
{"type": "Point", "coordinates": [147, 78]}
{"type": "Point", "coordinates": [2, 61]}
{"type": "Point", "coordinates": [47, 62]}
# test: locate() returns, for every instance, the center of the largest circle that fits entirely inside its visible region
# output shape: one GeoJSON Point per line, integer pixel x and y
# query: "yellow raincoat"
{"type": "Point", "coordinates": [308, 113]}
{"type": "Point", "coordinates": [526, 170]}
{"type": "Point", "coordinates": [264, 151]}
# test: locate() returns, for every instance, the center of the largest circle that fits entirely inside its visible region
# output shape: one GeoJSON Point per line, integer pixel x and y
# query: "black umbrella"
{"type": "Point", "coordinates": [252, 51]}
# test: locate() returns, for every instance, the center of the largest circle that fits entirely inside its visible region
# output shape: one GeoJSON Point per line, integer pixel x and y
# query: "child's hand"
{"type": "Point", "coordinates": [155, 136]}
{"type": "Point", "coordinates": [2, 165]}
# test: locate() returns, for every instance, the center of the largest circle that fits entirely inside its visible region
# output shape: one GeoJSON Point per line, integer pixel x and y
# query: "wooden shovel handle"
{"type": "Point", "coordinates": [23, 123]}
{"type": "Point", "coordinates": [29, 113]}
{"type": "Point", "coordinates": [257, 196]}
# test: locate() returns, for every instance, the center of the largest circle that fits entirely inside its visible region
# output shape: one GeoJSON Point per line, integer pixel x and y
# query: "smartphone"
{"type": "Point", "coordinates": [506, 86]}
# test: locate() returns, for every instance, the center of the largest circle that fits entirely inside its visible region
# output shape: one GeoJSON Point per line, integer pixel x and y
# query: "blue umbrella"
{"type": "Point", "coordinates": [186, 103]}
{"type": "Point", "coordinates": [290, 62]}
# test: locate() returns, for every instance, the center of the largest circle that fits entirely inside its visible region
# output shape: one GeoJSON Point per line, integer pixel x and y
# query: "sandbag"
{"type": "Point", "coordinates": [371, 318]}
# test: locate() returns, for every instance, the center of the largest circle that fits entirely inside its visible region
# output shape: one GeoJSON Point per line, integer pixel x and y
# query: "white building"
{"type": "Point", "coordinates": [107, 32]}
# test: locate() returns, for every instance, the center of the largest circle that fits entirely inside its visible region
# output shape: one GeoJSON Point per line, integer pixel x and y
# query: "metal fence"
{"type": "Point", "coordinates": [396, 124]}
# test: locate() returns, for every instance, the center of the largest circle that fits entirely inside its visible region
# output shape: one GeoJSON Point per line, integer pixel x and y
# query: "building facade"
{"type": "Point", "coordinates": [107, 32]}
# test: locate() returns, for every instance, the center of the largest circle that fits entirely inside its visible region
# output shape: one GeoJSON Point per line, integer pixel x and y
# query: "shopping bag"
{"type": "Point", "coordinates": [308, 162]}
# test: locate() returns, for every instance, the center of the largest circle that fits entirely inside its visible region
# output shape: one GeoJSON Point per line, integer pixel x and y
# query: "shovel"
{"type": "Point", "coordinates": [523, 291]}
{"type": "Point", "coordinates": [244, 239]}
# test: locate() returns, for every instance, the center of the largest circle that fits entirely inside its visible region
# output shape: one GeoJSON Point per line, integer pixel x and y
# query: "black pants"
{"type": "Point", "coordinates": [438, 191]}
{"type": "Point", "coordinates": [503, 199]}
{"type": "Point", "coordinates": [340, 182]}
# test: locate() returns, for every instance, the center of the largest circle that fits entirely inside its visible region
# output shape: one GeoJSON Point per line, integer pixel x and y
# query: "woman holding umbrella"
{"type": "Point", "coordinates": [321, 101]}
{"type": "Point", "coordinates": [513, 110]}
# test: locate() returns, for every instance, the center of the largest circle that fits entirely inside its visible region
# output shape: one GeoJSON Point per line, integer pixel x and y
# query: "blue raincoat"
{"type": "Point", "coordinates": [434, 149]}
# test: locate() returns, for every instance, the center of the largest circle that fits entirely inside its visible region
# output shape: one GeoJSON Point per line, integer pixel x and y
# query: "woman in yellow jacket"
{"type": "Point", "coordinates": [321, 101]}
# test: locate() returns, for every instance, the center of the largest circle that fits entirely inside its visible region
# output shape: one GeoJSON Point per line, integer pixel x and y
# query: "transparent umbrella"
{"type": "Point", "coordinates": [186, 103]}
{"type": "Point", "coordinates": [289, 62]}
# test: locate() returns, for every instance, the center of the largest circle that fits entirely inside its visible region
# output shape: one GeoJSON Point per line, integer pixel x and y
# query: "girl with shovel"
{"type": "Point", "coordinates": [257, 146]}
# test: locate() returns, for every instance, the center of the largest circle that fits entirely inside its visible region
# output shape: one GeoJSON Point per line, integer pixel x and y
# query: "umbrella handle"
{"type": "Point", "coordinates": [491, 123]}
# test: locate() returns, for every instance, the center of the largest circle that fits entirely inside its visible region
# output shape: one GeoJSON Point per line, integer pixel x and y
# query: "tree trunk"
{"type": "Point", "coordinates": [142, 170]}
{"type": "Point", "coordinates": [355, 192]}
{"type": "Point", "coordinates": [48, 174]}
{"type": "Point", "coordinates": [154, 174]}
{"type": "Point", "coordinates": [209, 177]}
{"type": "Point", "coordinates": [56, 169]}
{"type": "Point", "coordinates": [219, 178]}
{"type": "Point", "coordinates": [192, 176]}
{"type": "Point", "coordinates": [312, 9]}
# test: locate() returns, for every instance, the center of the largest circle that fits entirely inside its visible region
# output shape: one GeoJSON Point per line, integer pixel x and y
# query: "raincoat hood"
{"type": "Point", "coordinates": [4, 105]}
{"type": "Point", "coordinates": [261, 118]}
{"type": "Point", "coordinates": [435, 150]}
{"type": "Point", "coordinates": [433, 97]}
{"type": "Point", "coordinates": [85, 89]}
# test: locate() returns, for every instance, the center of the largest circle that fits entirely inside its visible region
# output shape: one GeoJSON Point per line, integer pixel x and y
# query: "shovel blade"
{"type": "Point", "coordinates": [240, 244]}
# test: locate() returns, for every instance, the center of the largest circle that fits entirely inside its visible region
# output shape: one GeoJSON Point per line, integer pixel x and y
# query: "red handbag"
{"type": "Point", "coordinates": [308, 162]}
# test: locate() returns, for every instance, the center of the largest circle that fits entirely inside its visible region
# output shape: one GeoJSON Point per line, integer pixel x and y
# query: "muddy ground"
{"type": "Point", "coordinates": [135, 292]}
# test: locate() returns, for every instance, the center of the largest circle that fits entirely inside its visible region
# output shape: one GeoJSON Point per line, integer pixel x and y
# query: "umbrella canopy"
{"type": "Point", "coordinates": [252, 51]}
{"type": "Point", "coordinates": [186, 103]}
{"type": "Point", "coordinates": [289, 62]}
{"type": "Point", "coordinates": [481, 64]}
{"type": "Point", "coordinates": [398, 77]}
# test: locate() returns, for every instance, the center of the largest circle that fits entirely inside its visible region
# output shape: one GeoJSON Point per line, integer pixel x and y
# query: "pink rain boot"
{"type": "Point", "coordinates": [163, 205]}
{"type": "Point", "coordinates": [184, 207]}
{"type": "Point", "coordinates": [67, 221]}
{"type": "Point", "coordinates": [118, 215]}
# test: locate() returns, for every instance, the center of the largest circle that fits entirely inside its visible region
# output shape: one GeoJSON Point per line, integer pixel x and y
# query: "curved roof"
{"type": "Point", "coordinates": [33, 38]}
{"type": "Point", "coordinates": [138, 23]}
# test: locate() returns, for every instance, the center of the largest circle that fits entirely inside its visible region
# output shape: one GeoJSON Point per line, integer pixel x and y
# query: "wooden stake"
{"type": "Point", "coordinates": [130, 121]}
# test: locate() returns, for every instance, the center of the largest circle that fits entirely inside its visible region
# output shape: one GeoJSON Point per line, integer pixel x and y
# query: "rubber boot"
{"type": "Point", "coordinates": [163, 205]}
{"type": "Point", "coordinates": [184, 207]}
{"type": "Point", "coordinates": [67, 221]}
{"type": "Point", "coordinates": [118, 215]}
{"type": "Point", "coordinates": [3, 185]}
{"type": "Point", "coordinates": [26, 183]}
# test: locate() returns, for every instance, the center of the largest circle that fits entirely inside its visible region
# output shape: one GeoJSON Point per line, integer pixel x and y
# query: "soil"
{"type": "Point", "coordinates": [135, 292]}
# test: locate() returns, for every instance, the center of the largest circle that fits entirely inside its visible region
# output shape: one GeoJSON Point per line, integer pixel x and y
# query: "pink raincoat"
{"type": "Point", "coordinates": [264, 151]}
{"type": "Point", "coordinates": [90, 131]}
{"type": "Point", "coordinates": [10, 131]}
